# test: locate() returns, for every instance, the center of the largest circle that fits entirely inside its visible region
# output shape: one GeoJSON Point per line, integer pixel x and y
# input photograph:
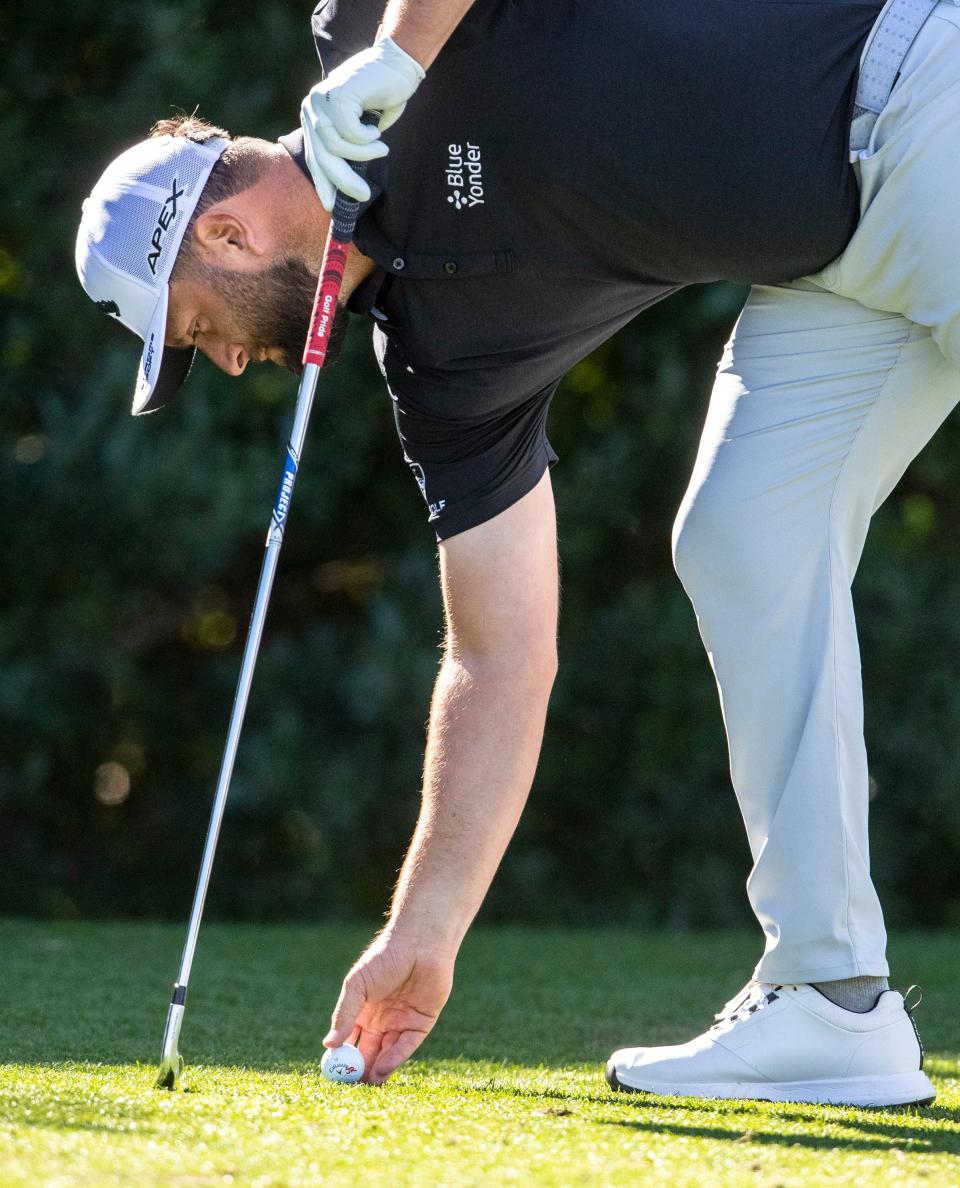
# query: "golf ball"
{"type": "Point", "coordinates": [342, 1064]}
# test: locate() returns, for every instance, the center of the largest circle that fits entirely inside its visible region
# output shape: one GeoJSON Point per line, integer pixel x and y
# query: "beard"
{"type": "Point", "coordinates": [272, 308]}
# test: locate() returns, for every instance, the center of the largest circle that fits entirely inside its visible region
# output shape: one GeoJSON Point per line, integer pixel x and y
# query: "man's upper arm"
{"type": "Point", "coordinates": [500, 580]}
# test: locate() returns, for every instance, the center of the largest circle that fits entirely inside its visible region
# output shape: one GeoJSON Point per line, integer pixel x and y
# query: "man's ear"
{"type": "Point", "coordinates": [226, 238]}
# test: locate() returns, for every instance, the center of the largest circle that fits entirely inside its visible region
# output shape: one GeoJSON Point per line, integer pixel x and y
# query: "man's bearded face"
{"type": "Point", "coordinates": [272, 309]}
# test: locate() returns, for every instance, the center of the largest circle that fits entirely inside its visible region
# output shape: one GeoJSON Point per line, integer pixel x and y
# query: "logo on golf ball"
{"type": "Point", "coordinates": [343, 1064]}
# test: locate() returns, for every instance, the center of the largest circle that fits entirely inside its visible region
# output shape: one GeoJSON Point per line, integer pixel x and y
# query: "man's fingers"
{"type": "Point", "coordinates": [344, 1018]}
{"type": "Point", "coordinates": [346, 181]}
{"type": "Point", "coordinates": [317, 118]}
{"type": "Point", "coordinates": [334, 172]}
{"type": "Point", "coordinates": [390, 115]}
{"type": "Point", "coordinates": [326, 191]}
{"type": "Point", "coordinates": [346, 116]}
{"type": "Point", "coordinates": [394, 1054]}
{"type": "Point", "coordinates": [330, 172]}
{"type": "Point", "coordinates": [341, 112]}
{"type": "Point", "coordinates": [339, 136]}
{"type": "Point", "coordinates": [369, 1042]}
{"type": "Point", "coordinates": [335, 144]}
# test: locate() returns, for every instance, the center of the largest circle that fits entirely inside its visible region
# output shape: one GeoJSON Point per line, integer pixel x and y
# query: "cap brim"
{"type": "Point", "coordinates": [162, 371]}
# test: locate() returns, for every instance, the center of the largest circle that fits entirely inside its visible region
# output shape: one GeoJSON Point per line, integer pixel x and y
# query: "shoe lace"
{"type": "Point", "coordinates": [752, 998]}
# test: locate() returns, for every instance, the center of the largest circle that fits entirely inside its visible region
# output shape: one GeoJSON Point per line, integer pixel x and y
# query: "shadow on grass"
{"type": "Point", "coordinates": [878, 1138]}
{"type": "Point", "coordinates": [935, 1130]}
{"type": "Point", "coordinates": [930, 1130]}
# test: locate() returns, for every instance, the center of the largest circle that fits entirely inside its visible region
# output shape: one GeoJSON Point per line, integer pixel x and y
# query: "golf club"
{"type": "Point", "coordinates": [335, 255]}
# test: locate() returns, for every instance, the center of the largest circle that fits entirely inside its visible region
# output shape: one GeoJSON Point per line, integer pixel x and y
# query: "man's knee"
{"type": "Point", "coordinates": [730, 546]}
{"type": "Point", "coordinates": [707, 534]}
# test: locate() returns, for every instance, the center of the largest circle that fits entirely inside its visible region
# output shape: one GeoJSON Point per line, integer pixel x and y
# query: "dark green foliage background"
{"type": "Point", "coordinates": [129, 553]}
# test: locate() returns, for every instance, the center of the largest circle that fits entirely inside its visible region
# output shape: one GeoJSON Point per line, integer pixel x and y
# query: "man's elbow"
{"type": "Point", "coordinates": [529, 659]}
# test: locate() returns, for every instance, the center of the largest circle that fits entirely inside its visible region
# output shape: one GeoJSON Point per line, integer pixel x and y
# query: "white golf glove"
{"type": "Point", "coordinates": [381, 78]}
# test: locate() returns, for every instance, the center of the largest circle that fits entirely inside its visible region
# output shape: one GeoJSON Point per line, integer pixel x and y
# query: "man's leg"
{"type": "Point", "coordinates": [818, 407]}
{"type": "Point", "coordinates": [828, 401]}
{"type": "Point", "coordinates": [820, 403]}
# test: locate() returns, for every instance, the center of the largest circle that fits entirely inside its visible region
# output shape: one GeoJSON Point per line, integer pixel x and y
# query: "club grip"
{"type": "Point", "coordinates": [342, 226]}
{"type": "Point", "coordinates": [346, 209]}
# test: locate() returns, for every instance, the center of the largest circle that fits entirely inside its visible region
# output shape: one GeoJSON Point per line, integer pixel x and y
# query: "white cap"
{"type": "Point", "coordinates": [130, 232]}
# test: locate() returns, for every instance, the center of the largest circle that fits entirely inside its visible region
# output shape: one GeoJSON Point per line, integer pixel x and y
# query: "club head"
{"type": "Point", "coordinates": [169, 1072]}
{"type": "Point", "coordinates": [171, 1062]}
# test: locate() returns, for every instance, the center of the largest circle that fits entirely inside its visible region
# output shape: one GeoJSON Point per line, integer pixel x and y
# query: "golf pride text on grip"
{"type": "Point", "coordinates": [325, 305]}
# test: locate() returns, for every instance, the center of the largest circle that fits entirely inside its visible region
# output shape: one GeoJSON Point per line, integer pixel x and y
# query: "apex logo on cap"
{"type": "Point", "coordinates": [168, 212]}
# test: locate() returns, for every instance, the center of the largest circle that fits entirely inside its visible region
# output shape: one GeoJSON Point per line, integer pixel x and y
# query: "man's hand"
{"type": "Point", "coordinates": [381, 78]}
{"type": "Point", "coordinates": [391, 1000]}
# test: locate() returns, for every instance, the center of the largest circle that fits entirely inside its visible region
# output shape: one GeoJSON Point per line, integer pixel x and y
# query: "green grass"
{"type": "Point", "coordinates": [507, 1091]}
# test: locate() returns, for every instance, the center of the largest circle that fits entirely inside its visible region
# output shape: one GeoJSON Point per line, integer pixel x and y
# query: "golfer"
{"type": "Point", "coordinates": [553, 170]}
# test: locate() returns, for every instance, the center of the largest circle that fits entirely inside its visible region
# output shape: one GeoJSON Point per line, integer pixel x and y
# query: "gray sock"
{"type": "Point", "coordinates": [854, 994]}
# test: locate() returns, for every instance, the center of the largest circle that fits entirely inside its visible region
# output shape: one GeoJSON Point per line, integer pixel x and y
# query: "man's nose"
{"type": "Point", "coordinates": [230, 357]}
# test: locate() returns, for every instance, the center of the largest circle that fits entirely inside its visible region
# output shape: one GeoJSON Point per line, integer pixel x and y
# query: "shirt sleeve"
{"type": "Point", "coordinates": [471, 458]}
{"type": "Point", "coordinates": [342, 28]}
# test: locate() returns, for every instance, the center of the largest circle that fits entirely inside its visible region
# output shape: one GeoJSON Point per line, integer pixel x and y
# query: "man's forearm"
{"type": "Point", "coordinates": [421, 27]}
{"type": "Point", "coordinates": [486, 727]}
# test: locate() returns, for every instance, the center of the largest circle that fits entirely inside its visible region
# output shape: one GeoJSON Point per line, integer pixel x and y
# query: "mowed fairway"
{"type": "Point", "coordinates": [507, 1091]}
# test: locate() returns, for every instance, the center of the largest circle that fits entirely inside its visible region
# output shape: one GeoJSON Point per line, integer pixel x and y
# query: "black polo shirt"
{"type": "Point", "coordinates": [563, 166]}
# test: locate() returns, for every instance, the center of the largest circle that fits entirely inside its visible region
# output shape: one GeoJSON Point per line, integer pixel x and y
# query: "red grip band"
{"type": "Point", "coordinates": [325, 302]}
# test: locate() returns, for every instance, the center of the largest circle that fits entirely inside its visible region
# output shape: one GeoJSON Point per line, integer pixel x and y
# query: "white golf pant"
{"type": "Point", "coordinates": [826, 391]}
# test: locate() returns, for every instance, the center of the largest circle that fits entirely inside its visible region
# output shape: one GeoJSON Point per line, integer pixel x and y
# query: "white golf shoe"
{"type": "Point", "coordinates": [788, 1043]}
